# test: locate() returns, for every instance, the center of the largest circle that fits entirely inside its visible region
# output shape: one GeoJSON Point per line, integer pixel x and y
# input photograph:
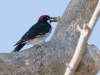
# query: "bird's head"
{"type": "Point", "coordinates": [47, 18]}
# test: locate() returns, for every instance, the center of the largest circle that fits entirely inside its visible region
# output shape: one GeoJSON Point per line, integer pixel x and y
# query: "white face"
{"type": "Point", "coordinates": [48, 21]}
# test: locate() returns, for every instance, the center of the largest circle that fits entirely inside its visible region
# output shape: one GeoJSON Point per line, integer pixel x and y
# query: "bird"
{"type": "Point", "coordinates": [37, 33]}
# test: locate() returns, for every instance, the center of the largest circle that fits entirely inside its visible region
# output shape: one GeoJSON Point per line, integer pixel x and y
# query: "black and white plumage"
{"type": "Point", "coordinates": [37, 33]}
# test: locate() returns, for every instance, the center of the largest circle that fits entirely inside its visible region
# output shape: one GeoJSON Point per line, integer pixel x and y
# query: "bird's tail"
{"type": "Point", "coordinates": [18, 47]}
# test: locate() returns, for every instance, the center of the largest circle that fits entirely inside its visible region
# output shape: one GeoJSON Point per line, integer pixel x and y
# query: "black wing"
{"type": "Point", "coordinates": [34, 31]}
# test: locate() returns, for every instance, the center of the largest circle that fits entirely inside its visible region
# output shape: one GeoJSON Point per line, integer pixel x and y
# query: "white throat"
{"type": "Point", "coordinates": [48, 21]}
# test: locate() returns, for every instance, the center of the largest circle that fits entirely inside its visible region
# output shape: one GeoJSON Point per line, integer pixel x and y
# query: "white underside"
{"type": "Point", "coordinates": [38, 39]}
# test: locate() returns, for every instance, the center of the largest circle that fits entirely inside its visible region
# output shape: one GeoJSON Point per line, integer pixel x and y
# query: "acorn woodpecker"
{"type": "Point", "coordinates": [37, 33]}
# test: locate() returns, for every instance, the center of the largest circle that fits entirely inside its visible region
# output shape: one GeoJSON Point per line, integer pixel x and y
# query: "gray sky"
{"type": "Point", "coordinates": [17, 16]}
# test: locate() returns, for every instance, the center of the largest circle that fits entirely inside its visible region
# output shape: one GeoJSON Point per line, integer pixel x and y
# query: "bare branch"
{"type": "Point", "coordinates": [79, 51]}
{"type": "Point", "coordinates": [85, 33]}
{"type": "Point", "coordinates": [95, 17]}
{"type": "Point", "coordinates": [50, 57]}
{"type": "Point", "coordinates": [78, 27]}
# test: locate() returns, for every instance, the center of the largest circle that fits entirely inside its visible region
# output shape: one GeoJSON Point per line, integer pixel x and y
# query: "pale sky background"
{"type": "Point", "coordinates": [17, 16]}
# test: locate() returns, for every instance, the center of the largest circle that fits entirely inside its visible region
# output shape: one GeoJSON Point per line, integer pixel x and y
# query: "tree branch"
{"type": "Point", "coordinates": [51, 58]}
{"type": "Point", "coordinates": [85, 33]}
{"type": "Point", "coordinates": [94, 17]}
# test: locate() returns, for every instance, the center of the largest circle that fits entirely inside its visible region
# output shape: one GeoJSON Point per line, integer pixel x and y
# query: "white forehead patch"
{"type": "Point", "coordinates": [48, 21]}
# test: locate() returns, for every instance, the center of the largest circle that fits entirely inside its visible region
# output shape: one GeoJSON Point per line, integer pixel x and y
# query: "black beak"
{"type": "Point", "coordinates": [53, 19]}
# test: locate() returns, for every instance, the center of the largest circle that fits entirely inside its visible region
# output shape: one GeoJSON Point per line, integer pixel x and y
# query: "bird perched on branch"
{"type": "Point", "coordinates": [37, 33]}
